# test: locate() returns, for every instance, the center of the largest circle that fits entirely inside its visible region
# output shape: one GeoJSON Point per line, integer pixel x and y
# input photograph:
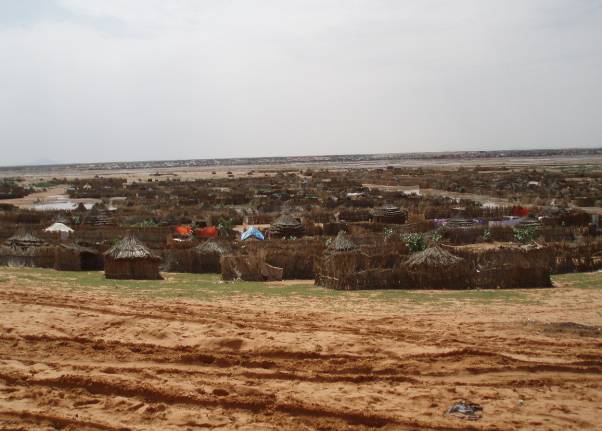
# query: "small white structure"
{"type": "Point", "coordinates": [62, 229]}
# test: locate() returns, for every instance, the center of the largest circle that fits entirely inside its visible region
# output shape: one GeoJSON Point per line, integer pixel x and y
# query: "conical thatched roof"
{"type": "Point", "coordinates": [433, 257]}
{"type": "Point", "coordinates": [81, 207]}
{"type": "Point", "coordinates": [390, 212]}
{"type": "Point", "coordinates": [286, 220]}
{"type": "Point", "coordinates": [23, 238]}
{"type": "Point", "coordinates": [130, 248]}
{"type": "Point", "coordinates": [211, 247]}
{"type": "Point", "coordinates": [528, 222]}
{"type": "Point", "coordinates": [286, 225]}
{"type": "Point", "coordinates": [343, 243]}
{"type": "Point", "coordinates": [98, 215]}
{"type": "Point", "coordinates": [460, 222]}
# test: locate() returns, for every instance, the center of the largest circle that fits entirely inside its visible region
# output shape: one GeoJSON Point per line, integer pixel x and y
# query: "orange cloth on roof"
{"type": "Point", "coordinates": [184, 230]}
{"type": "Point", "coordinates": [206, 232]}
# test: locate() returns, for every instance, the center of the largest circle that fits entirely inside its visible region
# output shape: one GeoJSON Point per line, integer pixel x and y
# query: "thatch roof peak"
{"type": "Point", "coordinates": [287, 220]}
{"type": "Point", "coordinates": [211, 247]}
{"type": "Point", "coordinates": [343, 242]}
{"type": "Point", "coordinates": [458, 221]}
{"type": "Point", "coordinates": [433, 257]}
{"type": "Point", "coordinates": [23, 238]}
{"type": "Point", "coordinates": [130, 248]}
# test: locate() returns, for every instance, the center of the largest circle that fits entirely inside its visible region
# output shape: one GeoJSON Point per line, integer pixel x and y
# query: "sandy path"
{"type": "Point", "coordinates": [92, 361]}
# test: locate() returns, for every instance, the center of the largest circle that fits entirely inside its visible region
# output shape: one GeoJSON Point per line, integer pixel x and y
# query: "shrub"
{"type": "Point", "coordinates": [486, 235]}
{"type": "Point", "coordinates": [525, 235]}
{"type": "Point", "coordinates": [414, 242]}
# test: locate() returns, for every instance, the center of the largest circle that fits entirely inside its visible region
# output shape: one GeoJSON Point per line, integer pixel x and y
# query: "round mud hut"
{"type": "Point", "coordinates": [24, 249]}
{"type": "Point", "coordinates": [74, 257]}
{"type": "Point", "coordinates": [389, 214]}
{"type": "Point", "coordinates": [207, 257]}
{"type": "Point", "coordinates": [529, 222]}
{"type": "Point", "coordinates": [342, 243]}
{"type": "Point", "coordinates": [98, 216]}
{"type": "Point", "coordinates": [436, 268]}
{"type": "Point", "coordinates": [459, 222]}
{"type": "Point", "coordinates": [286, 226]}
{"type": "Point", "coordinates": [130, 259]}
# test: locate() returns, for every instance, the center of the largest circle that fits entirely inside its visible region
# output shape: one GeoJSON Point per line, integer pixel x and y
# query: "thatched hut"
{"type": "Point", "coordinates": [389, 214]}
{"type": "Point", "coordinates": [249, 267]}
{"type": "Point", "coordinates": [26, 250]}
{"type": "Point", "coordinates": [130, 259]}
{"type": "Point", "coordinates": [286, 226]}
{"type": "Point", "coordinates": [459, 222]}
{"type": "Point", "coordinates": [507, 265]}
{"type": "Point", "coordinates": [436, 268]}
{"type": "Point", "coordinates": [74, 257]}
{"type": "Point", "coordinates": [529, 222]}
{"type": "Point", "coordinates": [59, 229]}
{"type": "Point", "coordinates": [98, 216]}
{"type": "Point", "coordinates": [207, 257]}
{"type": "Point", "coordinates": [342, 243]}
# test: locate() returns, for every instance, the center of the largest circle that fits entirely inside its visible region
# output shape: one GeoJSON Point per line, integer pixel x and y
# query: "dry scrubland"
{"type": "Point", "coordinates": [79, 352]}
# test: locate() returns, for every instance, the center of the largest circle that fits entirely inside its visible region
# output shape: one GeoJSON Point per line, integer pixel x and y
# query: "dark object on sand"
{"type": "Point", "coordinates": [465, 410]}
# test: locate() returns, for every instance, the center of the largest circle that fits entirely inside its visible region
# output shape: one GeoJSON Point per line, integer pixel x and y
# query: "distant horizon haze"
{"type": "Point", "coordinates": [94, 81]}
{"type": "Point", "coordinates": [367, 156]}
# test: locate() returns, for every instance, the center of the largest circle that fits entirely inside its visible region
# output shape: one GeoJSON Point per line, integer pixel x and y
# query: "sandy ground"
{"type": "Point", "coordinates": [49, 196]}
{"type": "Point", "coordinates": [99, 361]}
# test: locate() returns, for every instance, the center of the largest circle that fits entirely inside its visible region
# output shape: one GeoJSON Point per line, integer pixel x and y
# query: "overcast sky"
{"type": "Point", "coordinates": [103, 80]}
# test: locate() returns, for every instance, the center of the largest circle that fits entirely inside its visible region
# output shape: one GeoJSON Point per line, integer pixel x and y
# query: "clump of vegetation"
{"type": "Point", "coordinates": [487, 235]}
{"type": "Point", "coordinates": [436, 237]}
{"type": "Point", "coordinates": [146, 223]}
{"type": "Point", "coordinates": [387, 232]}
{"type": "Point", "coordinates": [525, 235]}
{"type": "Point", "coordinates": [225, 223]}
{"type": "Point", "coordinates": [414, 242]}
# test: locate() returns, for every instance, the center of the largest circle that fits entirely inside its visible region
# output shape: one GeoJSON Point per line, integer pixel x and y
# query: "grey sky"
{"type": "Point", "coordinates": [102, 80]}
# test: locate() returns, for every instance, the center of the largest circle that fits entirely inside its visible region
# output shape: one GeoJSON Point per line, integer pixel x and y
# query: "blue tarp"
{"type": "Point", "coordinates": [252, 232]}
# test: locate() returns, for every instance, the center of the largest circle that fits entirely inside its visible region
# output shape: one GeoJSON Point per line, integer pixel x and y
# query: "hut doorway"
{"type": "Point", "coordinates": [90, 261]}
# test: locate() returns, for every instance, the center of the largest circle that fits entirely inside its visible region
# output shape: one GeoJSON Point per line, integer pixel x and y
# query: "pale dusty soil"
{"type": "Point", "coordinates": [50, 195]}
{"type": "Point", "coordinates": [94, 361]}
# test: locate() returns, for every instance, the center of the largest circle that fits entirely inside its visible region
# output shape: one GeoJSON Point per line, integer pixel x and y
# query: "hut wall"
{"type": "Point", "coordinates": [206, 263]}
{"type": "Point", "coordinates": [132, 269]}
{"type": "Point", "coordinates": [31, 257]}
{"type": "Point", "coordinates": [177, 260]}
{"type": "Point", "coordinates": [248, 268]}
{"type": "Point", "coordinates": [190, 260]}
{"type": "Point", "coordinates": [509, 267]}
{"type": "Point", "coordinates": [570, 257]}
{"type": "Point", "coordinates": [356, 270]}
{"type": "Point", "coordinates": [297, 258]}
{"type": "Point", "coordinates": [454, 277]}
{"type": "Point", "coordinates": [67, 259]}
{"type": "Point", "coordinates": [469, 235]}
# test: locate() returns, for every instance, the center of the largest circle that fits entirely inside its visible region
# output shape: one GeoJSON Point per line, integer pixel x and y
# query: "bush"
{"type": "Point", "coordinates": [487, 235]}
{"type": "Point", "coordinates": [414, 242]}
{"type": "Point", "coordinates": [525, 235]}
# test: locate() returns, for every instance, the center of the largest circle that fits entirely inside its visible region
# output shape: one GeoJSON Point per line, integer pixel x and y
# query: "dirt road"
{"type": "Point", "coordinates": [93, 361]}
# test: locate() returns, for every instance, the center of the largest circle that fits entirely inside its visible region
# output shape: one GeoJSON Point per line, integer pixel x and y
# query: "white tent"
{"type": "Point", "coordinates": [62, 229]}
{"type": "Point", "coordinates": [58, 227]}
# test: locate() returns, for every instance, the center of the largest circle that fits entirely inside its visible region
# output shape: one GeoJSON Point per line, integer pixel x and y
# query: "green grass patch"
{"type": "Point", "coordinates": [210, 286]}
{"type": "Point", "coordinates": [582, 280]}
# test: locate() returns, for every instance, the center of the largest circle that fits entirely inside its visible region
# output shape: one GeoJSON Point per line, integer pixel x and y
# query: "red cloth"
{"type": "Point", "coordinates": [206, 232]}
{"type": "Point", "coordinates": [184, 230]}
{"type": "Point", "coordinates": [520, 211]}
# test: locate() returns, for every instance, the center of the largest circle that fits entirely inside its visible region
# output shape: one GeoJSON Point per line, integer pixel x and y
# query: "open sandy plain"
{"type": "Point", "coordinates": [78, 352]}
